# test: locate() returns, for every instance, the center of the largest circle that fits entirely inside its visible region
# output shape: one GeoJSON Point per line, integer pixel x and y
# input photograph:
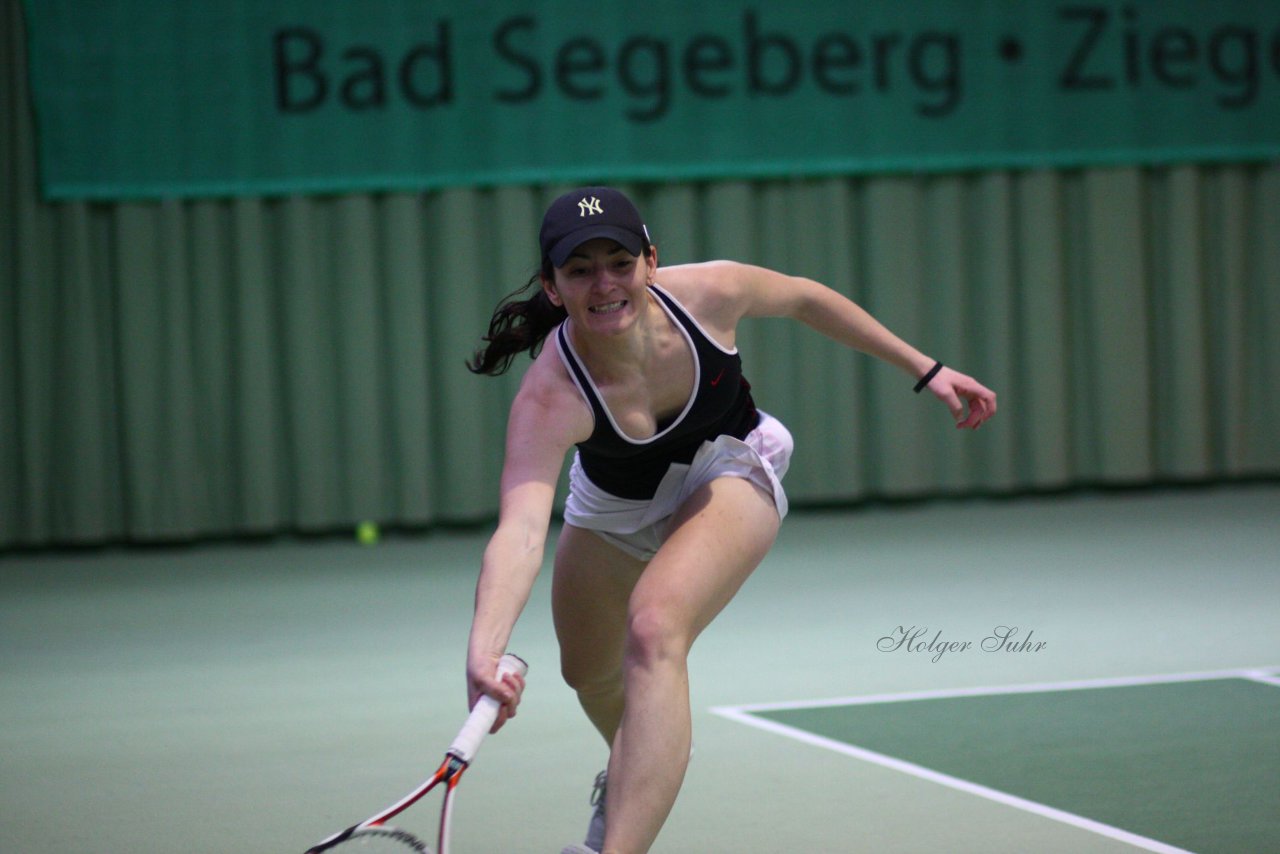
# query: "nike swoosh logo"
{"type": "Point", "coordinates": [715, 382]}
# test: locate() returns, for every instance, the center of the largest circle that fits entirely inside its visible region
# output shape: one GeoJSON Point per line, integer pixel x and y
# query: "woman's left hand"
{"type": "Point", "coordinates": [971, 403]}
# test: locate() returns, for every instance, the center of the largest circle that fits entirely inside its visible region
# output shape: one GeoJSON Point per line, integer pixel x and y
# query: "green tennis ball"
{"type": "Point", "coordinates": [367, 533]}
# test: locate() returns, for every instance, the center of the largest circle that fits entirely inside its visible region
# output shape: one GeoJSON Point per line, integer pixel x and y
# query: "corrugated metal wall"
{"type": "Point", "coordinates": [188, 369]}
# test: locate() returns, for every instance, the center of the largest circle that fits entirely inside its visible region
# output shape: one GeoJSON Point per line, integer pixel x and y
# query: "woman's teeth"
{"type": "Point", "coordinates": [608, 307]}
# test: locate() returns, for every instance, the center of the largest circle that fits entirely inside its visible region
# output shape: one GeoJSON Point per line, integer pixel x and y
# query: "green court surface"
{"type": "Point", "coordinates": [256, 697]}
{"type": "Point", "coordinates": [1183, 763]}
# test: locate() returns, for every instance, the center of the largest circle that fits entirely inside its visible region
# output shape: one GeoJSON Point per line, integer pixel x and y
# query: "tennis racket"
{"type": "Point", "coordinates": [374, 834]}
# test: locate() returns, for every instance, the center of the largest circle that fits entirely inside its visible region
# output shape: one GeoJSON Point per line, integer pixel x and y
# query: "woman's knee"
{"type": "Point", "coordinates": [656, 633]}
{"type": "Point", "coordinates": [590, 672]}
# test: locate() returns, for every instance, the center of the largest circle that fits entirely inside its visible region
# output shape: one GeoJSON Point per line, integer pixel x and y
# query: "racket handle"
{"type": "Point", "coordinates": [484, 714]}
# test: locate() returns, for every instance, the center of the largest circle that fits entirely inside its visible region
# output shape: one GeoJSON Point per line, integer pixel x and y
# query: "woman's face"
{"type": "Point", "coordinates": [602, 286]}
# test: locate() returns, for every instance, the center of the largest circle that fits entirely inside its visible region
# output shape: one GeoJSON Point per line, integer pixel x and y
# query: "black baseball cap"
{"type": "Point", "coordinates": [587, 213]}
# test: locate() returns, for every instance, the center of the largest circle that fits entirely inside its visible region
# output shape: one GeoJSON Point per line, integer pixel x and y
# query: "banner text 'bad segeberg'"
{"type": "Point", "coordinates": [1097, 49]}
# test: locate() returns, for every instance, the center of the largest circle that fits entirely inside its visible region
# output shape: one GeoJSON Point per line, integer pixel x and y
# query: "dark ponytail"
{"type": "Point", "coordinates": [517, 325]}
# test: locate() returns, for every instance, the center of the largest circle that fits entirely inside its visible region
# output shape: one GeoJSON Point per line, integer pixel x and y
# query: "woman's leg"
{"type": "Point", "coordinates": [589, 593]}
{"type": "Point", "coordinates": [716, 540]}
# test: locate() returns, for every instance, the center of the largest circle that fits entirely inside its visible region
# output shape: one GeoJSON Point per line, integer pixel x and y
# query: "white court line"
{"type": "Point", "coordinates": [744, 714]}
{"type": "Point", "coordinates": [952, 782]}
{"type": "Point", "coordinates": [1257, 674]}
{"type": "Point", "coordinates": [1263, 676]}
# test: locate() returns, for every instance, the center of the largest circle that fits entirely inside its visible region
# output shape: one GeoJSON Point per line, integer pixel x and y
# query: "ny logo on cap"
{"type": "Point", "coordinates": [589, 207]}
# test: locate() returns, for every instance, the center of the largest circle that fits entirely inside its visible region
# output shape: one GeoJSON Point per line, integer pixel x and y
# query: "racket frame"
{"type": "Point", "coordinates": [457, 759]}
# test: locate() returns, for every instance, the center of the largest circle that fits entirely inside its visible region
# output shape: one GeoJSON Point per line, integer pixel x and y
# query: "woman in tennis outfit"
{"type": "Point", "coordinates": [675, 487]}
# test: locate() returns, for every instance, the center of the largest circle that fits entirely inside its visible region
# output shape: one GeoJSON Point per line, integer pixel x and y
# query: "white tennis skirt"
{"type": "Point", "coordinates": [639, 527]}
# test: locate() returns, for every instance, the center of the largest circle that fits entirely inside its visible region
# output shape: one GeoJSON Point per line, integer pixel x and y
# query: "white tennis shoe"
{"type": "Point", "coordinates": [595, 830]}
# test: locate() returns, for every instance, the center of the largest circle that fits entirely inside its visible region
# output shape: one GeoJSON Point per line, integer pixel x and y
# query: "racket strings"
{"type": "Point", "coordinates": [374, 840]}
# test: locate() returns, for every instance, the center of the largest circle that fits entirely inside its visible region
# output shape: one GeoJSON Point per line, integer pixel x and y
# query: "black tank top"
{"type": "Point", "coordinates": [720, 404]}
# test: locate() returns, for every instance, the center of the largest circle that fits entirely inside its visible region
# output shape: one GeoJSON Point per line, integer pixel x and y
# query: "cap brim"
{"type": "Point", "coordinates": [629, 241]}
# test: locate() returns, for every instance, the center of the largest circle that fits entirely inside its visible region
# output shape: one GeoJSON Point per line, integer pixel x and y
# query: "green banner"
{"type": "Point", "coordinates": [145, 98]}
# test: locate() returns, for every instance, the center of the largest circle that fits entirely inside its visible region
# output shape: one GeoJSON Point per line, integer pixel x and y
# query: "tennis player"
{"type": "Point", "coordinates": [675, 489]}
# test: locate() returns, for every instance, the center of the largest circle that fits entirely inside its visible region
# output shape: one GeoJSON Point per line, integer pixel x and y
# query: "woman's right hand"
{"type": "Point", "coordinates": [482, 678]}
